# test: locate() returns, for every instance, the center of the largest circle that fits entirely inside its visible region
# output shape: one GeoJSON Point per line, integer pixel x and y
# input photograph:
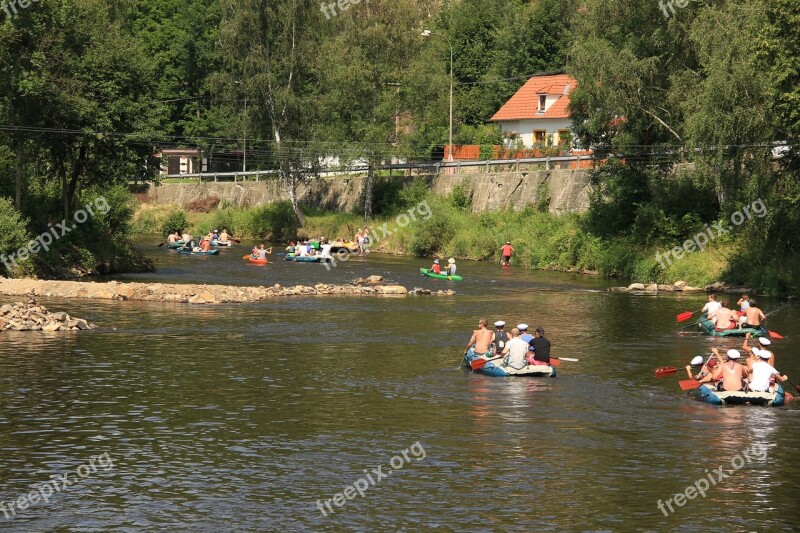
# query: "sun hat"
{"type": "Point", "coordinates": [436, 261]}
{"type": "Point", "coordinates": [499, 323]}
{"type": "Point", "coordinates": [763, 354]}
{"type": "Point", "coordinates": [697, 361]}
{"type": "Point", "coordinates": [734, 354]}
{"type": "Point", "coordinates": [522, 327]}
{"type": "Point", "coordinates": [764, 342]}
{"type": "Point", "coordinates": [451, 260]}
{"type": "Point", "coordinates": [508, 242]}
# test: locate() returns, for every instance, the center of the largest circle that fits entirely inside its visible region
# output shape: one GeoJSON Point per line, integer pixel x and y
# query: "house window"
{"type": "Point", "coordinates": [542, 102]}
{"type": "Point", "coordinates": [538, 136]}
{"type": "Point", "coordinates": [564, 137]}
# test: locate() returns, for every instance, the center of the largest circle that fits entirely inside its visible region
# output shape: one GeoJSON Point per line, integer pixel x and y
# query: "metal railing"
{"type": "Point", "coordinates": [434, 166]}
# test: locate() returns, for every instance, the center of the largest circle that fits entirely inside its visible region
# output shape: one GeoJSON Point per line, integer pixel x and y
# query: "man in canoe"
{"type": "Point", "coordinates": [724, 317]}
{"type": "Point", "coordinates": [754, 317]}
{"type": "Point", "coordinates": [435, 268]}
{"type": "Point", "coordinates": [733, 373]}
{"type": "Point", "coordinates": [506, 251]}
{"type": "Point", "coordinates": [523, 331]}
{"type": "Point", "coordinates": [711, 306]}
{"type": "Point", "coordinates": [540, 347]}
{"type": "Point", "coordinates": [763, 372]}
{"type": "Point", "coordinates": [205, 244]}
{"type": "Point", "coordinates": [173, 237]}
{"type": "Point", "coordinates": [224, 236]}
{"type": "Point", "coordinates": [500, 337]}
{"type": "Point", "coordinates": [516, 349]}
{"type": "Point", "coordinates": [763, 342]}
{"type": "Point", "coordinates": [262, 252]}
{"type": "Point", "coordinates": [450, 269]}
{"type": "Point", "coordinates": [481, 339]}
{"type": "Point", "coordinates": [697, 370]}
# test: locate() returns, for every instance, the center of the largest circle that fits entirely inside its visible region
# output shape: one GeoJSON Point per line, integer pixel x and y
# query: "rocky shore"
{"type": "Point", "coordinates": [32, 317]}
{"type": "Point", "coordinates": [198, 294]}
{"type": "Point", "coordinates": [678, 286]}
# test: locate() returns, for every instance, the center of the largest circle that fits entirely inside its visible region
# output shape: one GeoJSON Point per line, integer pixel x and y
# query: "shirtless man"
{"type": "Point", "coordinates": [173, 237]}
{"type": "Point", "coordinates": [223, 237]}
{"type": "Point", "coordinates": [711, 306]}
{"type": "Point", "coordinates": [481, 339]}
{"type": "Point", "coordinates": [754, 317]}
{"type": "Point", "coordinates": [732, 372]}
{"type": "Point", "coordinates": [724, 317]}
{"type": "Point", "coordinates": [763, 342]}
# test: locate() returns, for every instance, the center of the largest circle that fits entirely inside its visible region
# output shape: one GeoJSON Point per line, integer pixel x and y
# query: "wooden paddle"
{"type": "Point", "coordinates": [480, 363]}
{"type": "Point", "coordinates": [569, 359]}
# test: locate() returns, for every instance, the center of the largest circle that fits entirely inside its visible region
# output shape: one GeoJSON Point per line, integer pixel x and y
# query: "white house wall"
{"type": "Point", "coordinates": [526, 128]}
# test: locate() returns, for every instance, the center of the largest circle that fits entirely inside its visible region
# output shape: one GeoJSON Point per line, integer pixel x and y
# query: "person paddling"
{"type": "Point", "coordinates": [754, 315]}
{"type": "Point", "coordinates": [723, 317]}
{"type": "Point", "coordinates": [205, 244]}
{"type": "Point", "coordinates": [481, 339]}
{"type": "Point", "coordinates": [450, 269]}
{"type": "Point", "coordinates": [262, 252]}
{"type": "Point", "coordinates": [173, 237]}
{"type": "Point", "coordinates": [515, 349]}
{"type": "Point", "coordinates": [540, 347]}
{"type": "Point", "coordinates": [733, 373]}
{"type": "Point", "coordinates": [435, 268]}
{"type": "Point", "coordinates": [763, 372]}
{"type": "Point", "coordinates": [500, 337]}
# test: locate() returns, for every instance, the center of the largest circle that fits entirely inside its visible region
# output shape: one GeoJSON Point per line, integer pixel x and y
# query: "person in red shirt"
{"type": "Point", "coordinates": [205, 244]}
{"type": "Point", "coordinates": [507, 251]}
{"type": "Point", "coordinates": [436, 268]}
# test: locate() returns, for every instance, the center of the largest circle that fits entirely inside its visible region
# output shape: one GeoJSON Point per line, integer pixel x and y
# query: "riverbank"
{"type": "Point", "coordinates": [195, 294]}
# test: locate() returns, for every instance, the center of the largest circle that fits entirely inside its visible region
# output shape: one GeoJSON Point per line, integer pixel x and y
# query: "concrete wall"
{"type": "Point", "coordinates": [566, 190]}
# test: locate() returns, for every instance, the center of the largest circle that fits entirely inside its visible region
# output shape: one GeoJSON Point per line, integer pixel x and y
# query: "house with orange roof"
{"type": "Point", "coordinates": [538, 113]}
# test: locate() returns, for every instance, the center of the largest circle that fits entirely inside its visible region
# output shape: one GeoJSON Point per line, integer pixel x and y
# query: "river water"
{"type": "Point", "coordinates": [244, 417]}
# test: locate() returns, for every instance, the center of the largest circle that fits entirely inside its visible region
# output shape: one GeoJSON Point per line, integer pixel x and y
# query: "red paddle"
{"type": "Point", "coordinates": [774, 334]}
{"type": "Point", "coordinates": [688, 384]}
{"type": "Point", "coordinates": [665, 371]}
{"type": "Point", "coordinates": [683, 317]}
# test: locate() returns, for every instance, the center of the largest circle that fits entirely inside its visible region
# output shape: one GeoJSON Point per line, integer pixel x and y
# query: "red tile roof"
{"type": "Point", "coordinates": [525, 102]}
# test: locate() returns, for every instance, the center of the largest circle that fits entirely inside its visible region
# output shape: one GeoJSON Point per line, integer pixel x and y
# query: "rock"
{"type": "Point", "coordinates": [60, 316]}
{"type": "Point", "coordinates": [208, 297]}
{"type": "Point", "coordinates": [636, 287]}
{"type": "Point", "coordinates": [620, 289]}
{"type": "Point", "coordinates": [680, 284]}
{"type": "Point", "coordinates": [667, 288]}
{"type": "Point", "coordinates": [359, 281]}
{"type": "Point", "coordinates": [82, 324]}
{"type": "Point", "coordinates": [125, 292]}
{"type": "Point", "coordinates": [5, 309]}
{"type": "Point", "coordinates": [652, 288]}
{"type": "Point", "coordinates": [277, 287]}
{"type": "Point", "coordinates": [51, 327]}
{"type": "Point", "coordinates": [687, 288]}
{"type": "Point", "coordinates": [717, 287]}
{"type": "Point", "coordinates": [374, 279]}
{"type": "Point", "coordinates": [196, 299]}
{"type": "Point", "coordinates": [419, 290]}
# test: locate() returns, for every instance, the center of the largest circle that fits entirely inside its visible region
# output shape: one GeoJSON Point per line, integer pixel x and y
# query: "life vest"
{"type": "Point", "coordinates": [500, 340]}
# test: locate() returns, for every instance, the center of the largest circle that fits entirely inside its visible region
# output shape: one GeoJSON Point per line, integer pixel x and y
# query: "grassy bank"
{"type": "Point", "coordinates": [541, 240]}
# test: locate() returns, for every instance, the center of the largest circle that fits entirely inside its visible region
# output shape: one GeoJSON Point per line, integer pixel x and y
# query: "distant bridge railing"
{"type": "Point", "coordinates": [432, 166]}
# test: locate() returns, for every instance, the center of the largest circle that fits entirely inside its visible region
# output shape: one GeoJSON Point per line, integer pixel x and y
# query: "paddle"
{"type": "Point", "coordinates": [686, 315]}
{"type": "Point", "coordinates": [774, 334]}
{"type": "Point", "coordinates": [689, 384]}
{"type": "Point", "coordinates": [480, 363]}
{"type": "Point", "coordinates": [569, 359]}
{"type": "Point", "coordinates": [665, 371]}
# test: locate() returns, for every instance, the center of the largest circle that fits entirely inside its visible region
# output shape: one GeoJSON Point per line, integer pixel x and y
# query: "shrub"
{"type": "Point", "coordinates": [175, 221]}
{"type": "Point", "coordinates": [13, 228]}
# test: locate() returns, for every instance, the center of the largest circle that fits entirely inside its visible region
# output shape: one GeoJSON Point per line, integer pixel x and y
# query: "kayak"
{"type": "Point", "coordinates": [427, 272]}
{"type": "Point", "coordinates": [254, 260]}
{"type": "Point", "coordinates": [709, 394]}
{"type": "Point", "coordinates": [220, 243]}
{"type": "Point", "coordinates": [189, 252]}
{"type": "Point", "coordinates": [176, 244]}
{"type": "Point", "coordinates": [708, 328]}
{"type": "Point", "coordinates": [496, 369]}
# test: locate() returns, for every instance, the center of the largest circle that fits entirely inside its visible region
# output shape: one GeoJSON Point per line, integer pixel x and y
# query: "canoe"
{"type": "Point", "coordinates": [427, 272]}
{"type": "Point", "coordinates": [250, 259]}
{"type": "Point", "coordinates": [220, 243]}
{"type": "Point", "coordinates": [709, 394]}
{"type": "Point", "coordinates": [496, 369]}
{"type": "Point", "coordinates": [176, 244]}
{"type": "Point", "coordinates": [189, 252]}
{"type": "Point", "coordinates": [708, 328]}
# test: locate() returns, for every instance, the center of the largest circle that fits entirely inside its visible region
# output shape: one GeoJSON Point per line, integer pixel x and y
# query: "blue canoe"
{"type": "Point", "coordinates": [307, 259]}
{"type": "Point", "coordinates": [189, 252]}
{"type": "Point", "coordinates": [220, 243]}
{"type": "Point", "coordinates": [709, 394]}
{"type": "Point", "coordinates": [708, 328]}
{"type": "Point", "coordinates": [496, 369]}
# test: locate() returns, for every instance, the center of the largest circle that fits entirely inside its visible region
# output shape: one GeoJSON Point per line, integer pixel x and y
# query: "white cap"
{"type": "Point", "coordinates": [698, 360]}
{"type": "Point", "coordinates": [734, 354]}
{"type": "Point", "coordinates": [499, 323]}
{"type": "Point", "coordinates": [763, 354]}
{"type": "Point", "coordinates": [764, 341]}
{"type": "Point", "coordinates": [756, 351]}
{"type": "Point", "coordinates": [522, 327]}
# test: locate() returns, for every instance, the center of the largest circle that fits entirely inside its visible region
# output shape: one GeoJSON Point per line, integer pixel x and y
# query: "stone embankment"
{"type": "Point", "coordinates": [196, 294]}
{"type": "Point", "coordinates": [32, 317]}
{"type": "Point", "coordinates": [678, 286]}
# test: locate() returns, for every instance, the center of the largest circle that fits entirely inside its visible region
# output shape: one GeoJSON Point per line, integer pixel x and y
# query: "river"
{"type": "Point", "coordinates": [244, 417]}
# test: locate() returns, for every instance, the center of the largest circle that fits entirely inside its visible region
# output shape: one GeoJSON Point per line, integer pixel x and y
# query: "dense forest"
{"type": "Point", "coordinates": [696, 109]}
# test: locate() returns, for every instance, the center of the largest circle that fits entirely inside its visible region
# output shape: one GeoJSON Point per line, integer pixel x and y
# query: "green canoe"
{"type": "Point", "coordinates": [708, 328]}
{"type": "Point", "coordinates": [427, 272]}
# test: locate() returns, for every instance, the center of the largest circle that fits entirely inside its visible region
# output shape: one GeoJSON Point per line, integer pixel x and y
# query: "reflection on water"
{"type": "Point", "coordinates": [240, 417]}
